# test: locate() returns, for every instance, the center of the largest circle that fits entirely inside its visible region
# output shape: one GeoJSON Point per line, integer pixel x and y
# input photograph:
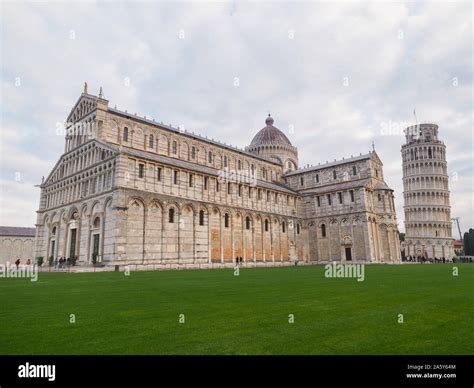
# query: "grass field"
{"type": "Point", "coordinates": [245, 314]}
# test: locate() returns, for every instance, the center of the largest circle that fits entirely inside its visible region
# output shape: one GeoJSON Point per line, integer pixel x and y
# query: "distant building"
{"type": "Point", "coordinates": [458, 245]}
{"type": "Point", "coordinates": [426, 194]}
{"type": "Point", "coordinates": [16, 243]}
{"type": "Point", "coordinates": [129, 190]}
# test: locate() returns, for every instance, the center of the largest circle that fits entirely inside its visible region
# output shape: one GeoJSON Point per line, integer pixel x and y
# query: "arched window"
{"type": "Point", "coordinates": [125, 134]}
{"type": "Point", "coordinates": [266, 225]}
{"type": "Point", "coordinates": [297, 228]}
{"type": "Point", "coordinates": [247, 223]}
{"type": "Point", "coordinates": [53, 231]}
{"type": "Point", "coordinates": [239, 165]}
{"type": "Point", "coordinates": [225, 161]}
{"type": "Point", "coordinates": [151, 141]}
{"type": "Point", "coordinates": [283, 227]}
{"type": "Point", "coordinates": [201, 218]}
{"type": "Point", "coordinates": [226, 220]}
{"type": "Point", "coordinates": [96, 222]}
{"type": "Point", "coordinates": [171, 216]}
{"type": "Point", "coordinates": [175, 147]}
{"type": "Point", "coordinates": [209, 156]}
{"type": "Point", "coordinates": [323, 230]}
{"type": "Point", "coordinates": [193, 152]}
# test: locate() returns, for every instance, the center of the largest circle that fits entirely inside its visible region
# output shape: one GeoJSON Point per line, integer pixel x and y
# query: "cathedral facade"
{"type": "Point", "coordinates": [129, 190]}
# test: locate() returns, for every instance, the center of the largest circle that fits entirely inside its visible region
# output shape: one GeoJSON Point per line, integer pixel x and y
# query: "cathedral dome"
{"type": "Point", "coordinates": [269, 135]}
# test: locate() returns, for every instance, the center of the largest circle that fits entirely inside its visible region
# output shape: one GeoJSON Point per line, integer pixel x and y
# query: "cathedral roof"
{"type": "Point", "coordinates": [191, 135]}
{"type": "Point", "coordinates": [382, 186]}
{"type": "Point", "coordinates": [337, 186]}
{"type": "Point", "coordinates": [270, 135]}
{"type": "Point", "coordinates": [371, 154]}
{"type": "Point", "coordinates": [166, 160]}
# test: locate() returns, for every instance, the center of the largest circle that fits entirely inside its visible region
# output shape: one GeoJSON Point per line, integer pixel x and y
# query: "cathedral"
{"type": "Point", "coordinates": [129, 190]}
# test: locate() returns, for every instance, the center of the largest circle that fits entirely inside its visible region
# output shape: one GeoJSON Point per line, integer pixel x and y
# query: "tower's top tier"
{"type": "Point", "coordinates": [421, 133]}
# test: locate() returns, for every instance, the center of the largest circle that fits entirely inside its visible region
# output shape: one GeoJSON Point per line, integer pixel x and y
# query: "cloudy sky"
{"type": "Point", "coordinates": [333, 75]}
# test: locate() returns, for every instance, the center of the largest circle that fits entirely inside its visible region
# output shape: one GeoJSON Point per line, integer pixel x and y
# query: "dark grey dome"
{"type": "Point", "coordinates": [269, 135]}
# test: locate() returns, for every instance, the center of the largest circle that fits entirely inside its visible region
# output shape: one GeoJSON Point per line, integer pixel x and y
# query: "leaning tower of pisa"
{"type": "Point", "coordinates": [426, 194]}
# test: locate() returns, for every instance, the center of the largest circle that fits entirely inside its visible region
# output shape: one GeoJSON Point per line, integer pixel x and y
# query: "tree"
{"type": "Point", "coordinates": [401, 236]}
{"type": "Point", "coordinates": [469, 243]}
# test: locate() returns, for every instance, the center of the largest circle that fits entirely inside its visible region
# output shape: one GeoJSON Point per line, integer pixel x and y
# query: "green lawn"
{"type": "Point", "coordinates": [246, 314]}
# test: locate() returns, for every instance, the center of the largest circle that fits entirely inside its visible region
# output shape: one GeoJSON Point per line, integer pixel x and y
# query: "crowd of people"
{"type": "Point", "coordinates": [423, 259]}
{"type": "Point", "coordinates": [57, 263]}
{"type": "Point", "coordinates": [61, 263]}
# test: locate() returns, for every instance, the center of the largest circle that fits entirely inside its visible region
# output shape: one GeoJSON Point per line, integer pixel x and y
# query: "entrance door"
{"type": "Point", "coordinates": [95, 246]}
{"type": "Point", "coordinates": [348, 254]}
{"type": "Point", "coordinates": [72, 243]}
{"type": "Point", "coordinates": [53, 243]}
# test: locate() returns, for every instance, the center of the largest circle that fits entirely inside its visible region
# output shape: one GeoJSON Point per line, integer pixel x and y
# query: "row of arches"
{"type": "Point", "coordinates": [426, 198]}
{"type": "Point", "coordinates": [352, 238]}
{"type": "Point", "coordinates": [429, 248]}
{"type": "Point", "coordinates": [16, 248]}
{"type": "Point", "coordinates": [436, 182]}
{"type": "Point", "coordinates": [428, 229]}
{"type": "Point", "coordinates": [158, 231]}
{"type": "Point", "coordinates": [418, 152]}
{"type": "Point", "coordinates": [89, 182]}
{"type": "Point", "coordinates": [191, 233]}
{"type": "Point", "coordinates": [415, 169]}
{"type": "Point", "coordinates": [428, 214]}
{"type": "Point", "coordinates": [78, 231]}
{"type": "Point", "coordinates": [80, 132]}
{"type": "Point", "coordinates": [80, 159]}
{"type": "Point", "coordinates": [84, 107]}
{"type": "Point", "coordinates": [223, 189]}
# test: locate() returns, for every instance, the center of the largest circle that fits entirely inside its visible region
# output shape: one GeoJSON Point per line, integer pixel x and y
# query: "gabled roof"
{"type": "Point", "coordinates": [101, 143]}
{"type": "Point", "coordinates": [83, 97]}
{"type": "Point", "coordinates": [16, 231]}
